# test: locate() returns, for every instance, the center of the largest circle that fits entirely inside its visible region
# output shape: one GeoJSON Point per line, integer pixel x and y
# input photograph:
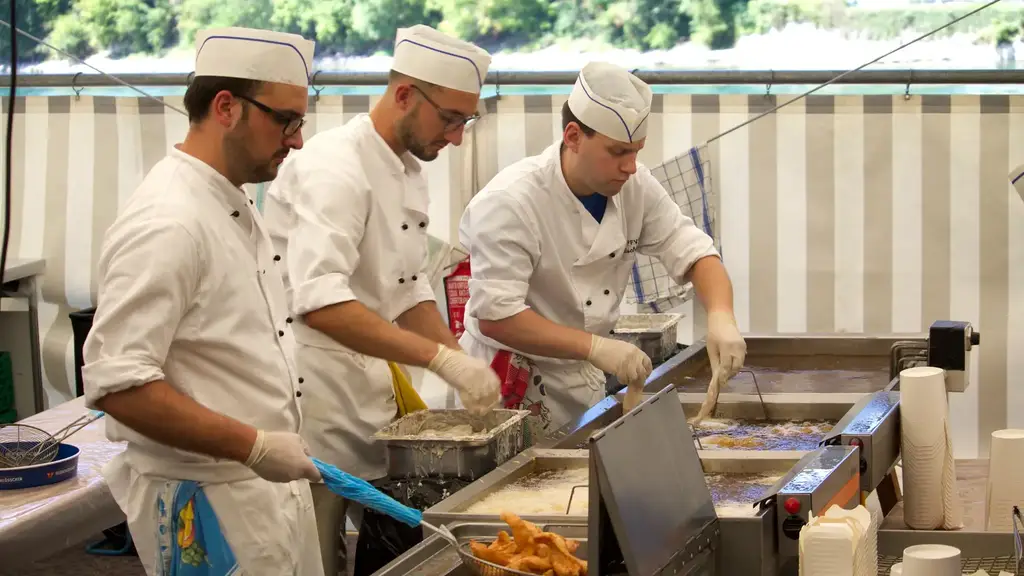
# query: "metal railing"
{"type": "Point", "coordinates": [528, 78]}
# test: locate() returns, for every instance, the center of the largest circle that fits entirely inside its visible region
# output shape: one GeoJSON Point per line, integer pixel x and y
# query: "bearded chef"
{"type": "Point", "coordinates": [191, 353]}
{"type": "Point", "coordinates": [349, 217]}
{"type": "Point", "coordinates": [552, 240]}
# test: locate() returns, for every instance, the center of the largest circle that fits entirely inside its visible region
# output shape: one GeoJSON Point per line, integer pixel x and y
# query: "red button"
{"type": "Point", "coordinates": [792, 505]}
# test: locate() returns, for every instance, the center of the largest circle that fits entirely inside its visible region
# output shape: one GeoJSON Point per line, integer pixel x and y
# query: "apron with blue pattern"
{"type": "Point", "coordinates": [189, 538]}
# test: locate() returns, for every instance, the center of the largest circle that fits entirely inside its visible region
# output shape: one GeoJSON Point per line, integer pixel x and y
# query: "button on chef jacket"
{"type": "Point", "coordinates": [349, 219]}
{"type": "Point", "coordinates": [533, 244]}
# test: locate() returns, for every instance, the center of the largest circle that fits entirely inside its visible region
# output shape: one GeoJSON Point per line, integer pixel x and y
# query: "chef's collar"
{"type": "Point", "coordinates": [237, 199]}
{"type": "Point", "coordinates": [554, 157]}
{"type": "Point", "coordinates": [404, 164]}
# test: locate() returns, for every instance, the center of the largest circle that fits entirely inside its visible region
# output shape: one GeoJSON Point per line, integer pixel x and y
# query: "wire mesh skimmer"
{"type": "Point", "coordinates": [26, 445]}
{"type": "Point", "coordinates": [478, 566]}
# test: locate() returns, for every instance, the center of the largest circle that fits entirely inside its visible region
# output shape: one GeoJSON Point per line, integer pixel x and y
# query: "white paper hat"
{"type": "Point", "coordinates": [612, 101]}
{"type": "Point", "coordinates": [431, 56]}
{"type": "Point", "coordinates": [1017, 179]}
{"type": "Point", "coordinates": [254, 55]}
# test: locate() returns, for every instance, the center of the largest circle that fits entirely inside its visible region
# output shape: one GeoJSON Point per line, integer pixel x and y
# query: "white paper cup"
{"type": "Point", "coordinates": [1005, 469]}
{"type": "Point", "coordinates": [931, 560]}
{"type": "Point", "coordinates": [923, 416]}
{"type": "Point", "coordinates": [896, 569]}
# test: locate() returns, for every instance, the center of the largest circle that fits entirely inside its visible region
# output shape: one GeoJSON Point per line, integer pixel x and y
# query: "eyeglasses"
{"type": "Point", "coordinates": [290, 121]}
{"type": "Point", "coordinates": [453, 120]}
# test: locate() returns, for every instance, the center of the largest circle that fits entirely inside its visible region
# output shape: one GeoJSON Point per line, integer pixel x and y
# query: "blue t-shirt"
{"type": "Point", "coordinates": [595, 204]}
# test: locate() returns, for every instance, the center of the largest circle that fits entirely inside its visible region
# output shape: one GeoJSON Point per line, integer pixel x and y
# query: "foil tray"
{"type": "Point", "coordinates": [413, 452]}
{"type": "Point", "coordinates": [655, 334]}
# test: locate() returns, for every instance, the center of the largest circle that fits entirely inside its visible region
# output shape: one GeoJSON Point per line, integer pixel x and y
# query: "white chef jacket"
{"type": "Point", "coordinates": [189, 293]}
{"type": "Point", "coordinates": [349, 217]}
{"type": "Point", "coordinates": [534, 245]}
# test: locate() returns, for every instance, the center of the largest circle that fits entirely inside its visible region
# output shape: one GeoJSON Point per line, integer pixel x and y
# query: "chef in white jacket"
{"type": "Point", "coordinates": [552, 240]}
{"type": "Point", "coordinates": [349, 217]}
{"type": "Point", "coordinates": [191, 353]}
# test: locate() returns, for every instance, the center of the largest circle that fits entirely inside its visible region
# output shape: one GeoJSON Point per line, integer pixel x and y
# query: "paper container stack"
{"type": "Point", "coordinates": [840, 543]}
{"type": "Point", "coordinates": [1005, 471]}
{"type": "Point", "coordinates": [930, 499]}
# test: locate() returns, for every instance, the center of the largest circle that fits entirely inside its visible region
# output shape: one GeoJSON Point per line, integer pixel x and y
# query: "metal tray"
{"type": "Point", "coordinates": [655, 334]}
{"type": "Point", "coordinates": [412, 454]}
{"type": "Point", "coordinates": [435, 557]}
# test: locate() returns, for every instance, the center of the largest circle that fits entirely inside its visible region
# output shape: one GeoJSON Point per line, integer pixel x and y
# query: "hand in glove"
{"type": "Point", "coordinates": [726, 351]}
{"type": "Point", "coordinates": [625, 361]}
{"type": "Point", "coordinates": [478, 385]}
{"type": "Point", "coordinates": [281, 457]}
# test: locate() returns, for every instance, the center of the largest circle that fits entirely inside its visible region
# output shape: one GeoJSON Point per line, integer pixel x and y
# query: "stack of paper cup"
{"type": "Point", "coordinates": [931, 560]}
{"type": "Point", "coordinates": [1005, 471]}
{"type": "Point", "coordinates": [840, 543]}
{"type": "Point", "coordinates": [930, 498]}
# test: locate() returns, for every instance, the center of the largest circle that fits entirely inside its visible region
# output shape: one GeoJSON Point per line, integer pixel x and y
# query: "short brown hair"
{"type": "Point", "coordinates": [202, 90]}
{"type": "Point", "coordinates": [568, 117]}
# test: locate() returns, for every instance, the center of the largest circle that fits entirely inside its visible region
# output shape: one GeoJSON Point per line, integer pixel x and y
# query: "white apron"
{"type": "Point", "coordinates": [350, 220]}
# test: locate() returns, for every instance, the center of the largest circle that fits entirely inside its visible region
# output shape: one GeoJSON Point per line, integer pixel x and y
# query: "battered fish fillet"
{"type": "Point", "coordinates": [531, 550]}
{"type": "Point", "coordinates": [707, 408]}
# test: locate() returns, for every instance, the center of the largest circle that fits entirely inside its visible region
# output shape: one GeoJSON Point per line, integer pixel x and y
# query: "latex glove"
{"type": "Point", "coordinates": [281, 457]}
{"type": "Point", "coordinates": [478, 385]}
{"type": "Point", "coordinates": [726, 352]}
{"type": "Point", "coordinates": [726, 348]}
{"type": "Point", "coordinates": [623, 360]}
{"type": "Point", "coordinates": [634, 395]}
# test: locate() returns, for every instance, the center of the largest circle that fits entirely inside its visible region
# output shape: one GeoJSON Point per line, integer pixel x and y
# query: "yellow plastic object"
{"type": "Point", "coordinates": [405, 395]}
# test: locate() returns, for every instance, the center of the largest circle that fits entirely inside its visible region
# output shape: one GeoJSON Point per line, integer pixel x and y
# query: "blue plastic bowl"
{"type": "Point", "coordinates": [63, 467]}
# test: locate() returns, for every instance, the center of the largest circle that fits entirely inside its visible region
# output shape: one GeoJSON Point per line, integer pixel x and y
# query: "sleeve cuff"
{"type": "Point", "coordinates": [424, 293]}
{"type": "Point", "coordinates": [321, 292]}
{"type": "Point", "coordinates": [697, 255]}
{"type": "Point", "coordinates": [111, 375]}
{"type": "Point", "coordinates": [496, 299]}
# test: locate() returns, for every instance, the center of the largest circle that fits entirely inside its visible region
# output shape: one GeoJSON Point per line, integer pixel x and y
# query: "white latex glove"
{"type": "Point", "coordinates": [478, 386]}
{"type": "Point", "coordinates": [281, 457]}
{"type": "Point", "coordinates": [625, 361]}
{"type": "Point", "coordinates": [726, 348]}
{"type": "Point", "coordinates": [726, 351]}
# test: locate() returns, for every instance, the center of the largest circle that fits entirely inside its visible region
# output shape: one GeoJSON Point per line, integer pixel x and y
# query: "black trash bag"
{"type": "Point", "coordinates": [382, 538]}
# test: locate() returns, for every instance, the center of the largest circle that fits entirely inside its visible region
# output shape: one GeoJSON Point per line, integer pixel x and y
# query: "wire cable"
{"type": "Point", "coordinates": [857, 69]}
{"type": "Point", "coordinates": [8, 153]}
{"type": "Point", "coordinates": [15, 29]}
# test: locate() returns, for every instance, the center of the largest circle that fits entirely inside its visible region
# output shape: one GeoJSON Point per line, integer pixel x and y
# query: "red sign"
{"type": "Point", "coordinates": [514, 372]}
{"type": "Point", "coordinates": [456, 292]}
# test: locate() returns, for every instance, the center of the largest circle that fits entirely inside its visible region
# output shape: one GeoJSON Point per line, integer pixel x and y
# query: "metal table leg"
{"type": "Point", "coordinates": [29, 285]}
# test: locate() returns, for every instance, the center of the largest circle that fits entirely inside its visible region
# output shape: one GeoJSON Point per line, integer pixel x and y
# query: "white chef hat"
{"type": "Point", "coordinates": [612, 101]}
{"type": "Point", "coordinates": [254, 55]}
{"type": "Point", "coordinates": [431, 56]}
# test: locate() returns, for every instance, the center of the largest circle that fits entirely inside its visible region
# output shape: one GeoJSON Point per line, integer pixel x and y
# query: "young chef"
{"type": "Point", "coordinates": [349, 217]}
{"type": "Point", "coordinates": [552, 240]}
{"type": "Point", "coordinates": [191, 352]}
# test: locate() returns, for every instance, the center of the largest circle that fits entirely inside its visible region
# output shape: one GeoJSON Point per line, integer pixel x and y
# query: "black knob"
{"type": "Point", "coordinates": [975, 338]}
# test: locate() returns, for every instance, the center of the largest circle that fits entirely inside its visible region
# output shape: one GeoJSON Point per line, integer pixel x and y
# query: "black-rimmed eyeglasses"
{"type": "Point", "coordinates": [453, 120]}
{"type": "Point", "coordinates": [289, 121]}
